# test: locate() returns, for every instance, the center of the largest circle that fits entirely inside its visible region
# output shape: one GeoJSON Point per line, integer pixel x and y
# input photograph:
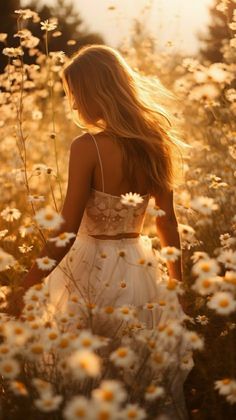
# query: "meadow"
{"type": "Point", "coordinates": [39, 357]}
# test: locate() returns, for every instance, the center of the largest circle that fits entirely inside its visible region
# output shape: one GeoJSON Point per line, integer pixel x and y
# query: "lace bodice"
{"type": "Point", "coordinates": [106, 215]}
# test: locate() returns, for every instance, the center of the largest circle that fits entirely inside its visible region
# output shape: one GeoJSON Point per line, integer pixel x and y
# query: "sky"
{"type": "Point", "coordinates": [177, 21]}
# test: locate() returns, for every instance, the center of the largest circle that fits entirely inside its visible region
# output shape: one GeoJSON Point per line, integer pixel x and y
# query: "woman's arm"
{"type": "Point", "coordinates": [167, 230]}
{"type": "Point", "coordinates": [82, 161]}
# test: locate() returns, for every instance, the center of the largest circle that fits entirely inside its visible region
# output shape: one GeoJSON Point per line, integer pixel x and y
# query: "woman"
{"type": "Point", "coordinates": [133, 148]}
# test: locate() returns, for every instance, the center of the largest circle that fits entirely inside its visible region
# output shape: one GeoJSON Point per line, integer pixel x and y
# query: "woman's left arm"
{"type": "Point", "coordinates": [82, 160]}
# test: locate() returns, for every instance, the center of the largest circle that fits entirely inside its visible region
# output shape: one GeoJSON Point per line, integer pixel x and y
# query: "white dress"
{"type": "Point", "coordinates": [111, 273]}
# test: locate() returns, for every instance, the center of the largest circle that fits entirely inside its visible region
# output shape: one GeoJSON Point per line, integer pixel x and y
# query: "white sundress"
{"type": "Point", "coordinates": [115, 272]}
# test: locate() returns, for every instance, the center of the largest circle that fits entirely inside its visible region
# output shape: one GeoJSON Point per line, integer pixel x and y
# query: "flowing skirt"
{"type": "Point", "coordinates": [120, 273]}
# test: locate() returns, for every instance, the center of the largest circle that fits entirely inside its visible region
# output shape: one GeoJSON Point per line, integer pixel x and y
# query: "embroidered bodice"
{"type": "Point", "coordinates": [106, 215]}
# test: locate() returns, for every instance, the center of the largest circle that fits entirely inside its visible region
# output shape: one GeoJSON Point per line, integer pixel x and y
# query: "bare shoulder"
{"type": "Point", "coordinates": [83, 145]}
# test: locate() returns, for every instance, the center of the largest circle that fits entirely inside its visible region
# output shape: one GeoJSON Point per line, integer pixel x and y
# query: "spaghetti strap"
{"type": "Point", "coordinates": [100, 162]}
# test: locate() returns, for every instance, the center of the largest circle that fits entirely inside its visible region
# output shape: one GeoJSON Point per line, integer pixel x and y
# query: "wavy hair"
{"type": "Point", "coordinates": [111, 96]}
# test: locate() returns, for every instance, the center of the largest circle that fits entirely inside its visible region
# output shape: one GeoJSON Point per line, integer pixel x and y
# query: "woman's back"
{"type": "Point", "coordinates": [115, 180]}
{"type": "Point", "coordinates": [105, 214]}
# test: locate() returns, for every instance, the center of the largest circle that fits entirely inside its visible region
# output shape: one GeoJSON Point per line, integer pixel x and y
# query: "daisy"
{"type": "Point", "coordinates": [186, 232]}
{"type": "Point", "coordinates": [10, 214]}
{"type": "Point", "coordinates": [16, 333]}
{"type": "Point", "coordinates": [6, 260]}
{"type": "Point", "coordinates": [25, 248]}
{"type": "Point", "coordinates": [45, 263]}
{"type": "Point", "coordinates": [153, 392]}
{"type": "Point", "coordinates": [63, 239]}
{"type": "Point", "coordinates": [222, 302]}
{"type": "Point", "coordinates": [48, 218]}
{"type": "Point", "coordinates": [48, 26]}
{"type": "Point", "coordinates": [110, 391]}
{"type": "Point", "coordinates": [133, 411]}
{"type": "Point", "coordinates": [230, 278]}
{"type": "Point", "coordinates": [126, 312]}
{"type": "Point", "coordinates": [9, 368]}
{"type": "Point", "coordinates": [155, 211]}
{"type": "Point", "coordinates": [228, 258]}
{"type": "Point", "coordinates": [206, 268]}
{"type": "Point", "coordinates": [48, 403]}
{"type": "Point", "coordinates": [223, 386]}
{"type": "Point", "coordinates": [84, 363]}
{"type": "Point", "coordinates": [205, 286]}
{"type": "Point", "coordinates": [87, 341]}
{"type": "Point", "coordinates": [150, 306]}
{"type": "Point", "coordinates": [78, 407]}
{"type": "Point", "coordinates": [194, 339]}
{"type": "Point", "coordinates": [170, 253]}
{"type": "Point", "coordinates": [36, 198]}
{"type": "Point", "coordinates": [131, 199]}
{"type": "Point", "coordinates": [122, 357]}
{"type": "Point", "coordinates": [231, 397]}
{"type": "Point", "coordinates": [43, 387]}
{"type": "Point", "coordinates": [13, 52]}
{"type": "Point", "coordinates": [6, 350]}
{"type": "Point", "coordinates": [18, 388]}
{"type": "Point", "coordinates": [202, 319]}
{"type": "Point", "coordinates": [204, 205]}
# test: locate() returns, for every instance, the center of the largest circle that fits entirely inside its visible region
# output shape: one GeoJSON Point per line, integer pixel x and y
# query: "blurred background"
{"type": "Point", "coordinates": [188, 28]}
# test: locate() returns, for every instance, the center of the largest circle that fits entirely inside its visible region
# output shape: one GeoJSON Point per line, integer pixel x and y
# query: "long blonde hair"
{"type": "Point", "coordinates": [111, 96]}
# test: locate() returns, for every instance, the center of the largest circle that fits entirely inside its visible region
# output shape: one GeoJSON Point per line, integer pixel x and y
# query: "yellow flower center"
{"type": "Point", "coordinates": [122, 352]}
{"type": "Point", "coordinates": [224, 303]}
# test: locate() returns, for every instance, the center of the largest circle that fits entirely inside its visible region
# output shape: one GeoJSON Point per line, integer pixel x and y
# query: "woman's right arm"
{"type": "Point", "coordinates": [167, 230]}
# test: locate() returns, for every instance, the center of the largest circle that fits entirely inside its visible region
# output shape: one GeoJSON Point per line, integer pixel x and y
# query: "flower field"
{"type": "Point", "coordinates": [70, 366]}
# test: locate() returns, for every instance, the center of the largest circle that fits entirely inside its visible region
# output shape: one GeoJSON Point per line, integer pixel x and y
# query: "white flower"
{"type": "Point", "coordinates": [228, 258]}
{"type": "Point", "coordinates": [110, 391]}
{"type": "Point", "coordinates": [170, 253]}
{"type": "Point", "coordinates": [10, 214]}
{"type": "Point", "coordinates": [9, 368]}
{"type": "Point", "coordinates": [207, 91]}
{"type": "Point", "coordinates": [123, 357]}
{"type": "Point", "coordinates": [28, 14]}
{"type": "Point", "coordinates": [6, 260]}
{"type": "Point", "coordinates": [131, 199]}
{"type": "Point", "coordinates": [37, 115]}
{"type": "Point", "coordinates": [62, 239]}
{"type": "Point", "coordinates": [194, 339]}
{"type": "Point", "coordinates": [36, 198]}
{"type": "Point", "coordinates": [222, 302]}
{"type": "Point", "coordinates": [48, 218]}
{"type": "Point", "coordinates": [230, 278]}
{"type": "Point", "coordinates": [16, 333]}
{"type": "Point", "coordinates": [43, 387]}
{"type": "Point", "coordinates": [87, 341]}
{"type": "Point", "coordinates": [206, 285]}
{"type": "Point", "coordinates": [45, 263]}
{"type": "Point", "coordinates": [202, 319]}
{"type": "Point", "coordinates": [13, 52]}
{"type": "Point", "coordinates": [78, 407]}
{"type": "Point", "coordinates": [48, 26]}
{"type": "Point", "coordinates": [48, 403]}
{"type": "Point", "coordinates": [205, 268]}
{"type": "Point", "coordinates": [155, 211]}
{"type": "Point", "coordinates": [18, 388]}
{"type": "Point", "coordinates": [153, 392]}
{"type": "Point", "coordinates": [223, 386]}
{"type": "Point", "coordinates": [204, 205]}
{"type": "Point", "coordinates": [84, 363]}
{"type": "Point", "coordinates": [133, 411]}
{"type": "Point", "coordinates": [126, 312]}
